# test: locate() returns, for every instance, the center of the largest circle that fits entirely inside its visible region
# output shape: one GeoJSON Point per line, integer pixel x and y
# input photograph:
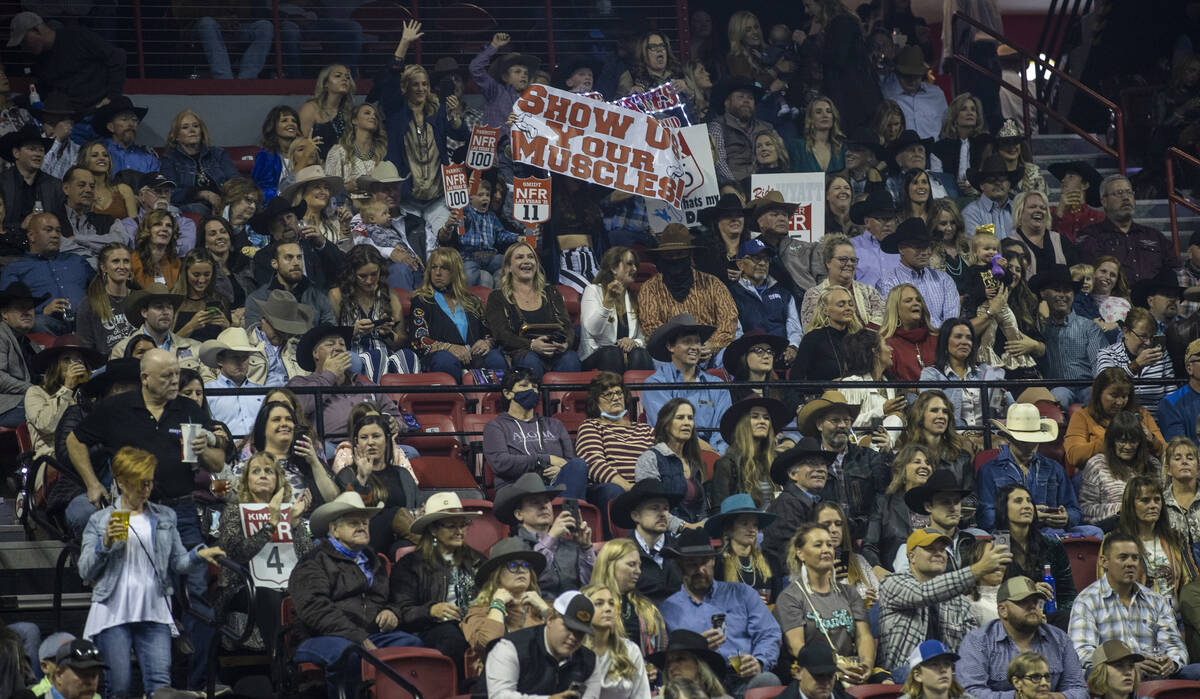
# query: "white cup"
{"type": "Point", "coordinates": [187, 433]}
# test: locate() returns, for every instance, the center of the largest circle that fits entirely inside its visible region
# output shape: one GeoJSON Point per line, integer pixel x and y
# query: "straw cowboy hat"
{"type": "Point", "coordinates": [812, 412]}
{"type": "Point", "coordinates": [284, 312]}
{"type": "Point", "coordinates": [441, 506]}
{"type": "Point", "coordinates": [138, 300]}
{"type": "Point", "coordinates": [768, 202]}
{"type": "Point", "coordinates": [1025, 424]}
{"type": "Point", "coordinates": [311, 175]}
{"type": "Point", "coordinates": [383, 173]}
{"type": "Point", "coordinates": [344, 504]}
{"type": "Point", "coordinates": [230, 340]}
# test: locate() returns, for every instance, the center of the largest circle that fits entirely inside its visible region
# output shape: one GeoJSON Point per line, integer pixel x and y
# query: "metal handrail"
{"type": "Point", "coordinates": [380, 667]}
{"type": "Point", "coordinates": [1027, 99]}
{"type": "Point", "coordinates": [1173, 199]}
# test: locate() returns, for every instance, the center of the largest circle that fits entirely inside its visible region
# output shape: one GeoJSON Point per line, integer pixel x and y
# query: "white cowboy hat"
{"type": "Point", "coordinates": [230, 340]}
{"type": "Point", "coordinates": [441, 506]}
{"type": "Point", "coordinates": [1026, 424]}
{"type": "Point", "coordinates": [309, 175]}
{"type": "Point", "coordinates": [383, 173]}
{"type": "Point", "coordinates": [344, 504]}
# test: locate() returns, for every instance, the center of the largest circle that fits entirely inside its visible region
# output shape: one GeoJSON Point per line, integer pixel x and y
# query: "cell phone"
{"type": "Point", "coordinates": [213, 309]}
{"type": "Point", "coordinates": [577, 687]}
{"type": "Point", "coordinates": [718, 622]}
{"type": "Point", "coordinates": [1158, 341]}
{"type": "Point", "coordinates": [876, 423]}
{"type": "Point", "coordinates": [571, 507]}
{"type": "Point", "coordinates": [1002, 538]}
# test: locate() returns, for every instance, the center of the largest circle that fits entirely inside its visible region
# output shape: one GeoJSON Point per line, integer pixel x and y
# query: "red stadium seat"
{"type": "Point", "coordinates": [306, 672]}
{"type": "Point", "coordinates": [387, 563]}
{"type": "Point", "coordinates": [1083, 553]}
{"type": "Point", "coordinates": [1169, 689]}
{"type": "Point", "coordinates": [405, 301]}
{"type": "Point", "coordinates": [589, 512]}
{"type": "Point", "coordinates": [571, 301]}
{"type": "Point", "coordinates": [403, 551]}
{"type": "Point", "coordinates": [452, 404]}
{"type": "Point", "coordinates": [719, 373]}
{"type": "Point", "coordinates": [243, 157]}
{"type": "Point", "coordinates": [710, 460]}
{"type": "Point", "coordinates": [475, 423]}
{"type": "Point", "coordinates": [441, 473]}
{"type": "Point", "coordinates": [645, 271]}
{"type": "Point", "coordinates": [484, 531]}
{"type": "Point", "coordinates": [571, 421]}
{"type": "Point", "coordinates": [985, 456]}
{"type": "Point", "coordinates": [429, 442]}
{"type": "Point", "coordinates": [874, 691]}
{"type": "Point", "coordinates": [764, 692]}
{"type": "Point", "coordinates": [482, 292]}
{"type": "Point", "coordinates": [637, 376]}
{"type": "Point", "coordinates": [568, 401]}
{"type": "Point", "coordinates": [485, 402]}
{"type": "Point", "coordinates": [432, 673]}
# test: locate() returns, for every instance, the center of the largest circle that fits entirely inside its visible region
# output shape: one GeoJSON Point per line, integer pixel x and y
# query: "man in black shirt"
{"type": "Point", "coordinates": [24, 186]}
{"type": "Point", "coordinates": [73, 60]}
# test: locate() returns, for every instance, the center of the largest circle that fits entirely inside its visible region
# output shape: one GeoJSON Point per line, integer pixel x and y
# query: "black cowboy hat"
{"type": "Point", "coordinates": [1164, 282]}
{"type": "Point", "coordinates": [118, 370]}
{"type": "Point", "coordinates": [568, 67]}
{"type": "Point", "coordinates": [682, 324]}
{"type": "Point", "coordinates": [66, 343]}
{"type": "Point", "coordinates": [729, 86]}
{"type": "Point", "coordinates": [447, 65]}
{"type": "Point", "coordinates": [646, 489]}
{"type": "Point", "coordinates": [691, 543]}
{"type": "Point", "coordinates": [505, 550]}
{"type": "Point", "coordinates": [907, 139]}
{"type": "Point", "coordinates": [509, 497]}
{"type": "Point", "coordinates": [911, 61]}
{"type": "Point", "coordinates": [261, 221]}
{"type": "Point", "coordinates": [879, 201]}
{"type": "Point", "coordinates": [500, 65]}
{"type": "Point", "coordinates": [942, 481]}
{"type": "Point", "coordinates": [732, 360]}
{"type": "Point", "coordinates": [684, 641]}
{"type": "Point", "coordinates": [911, 230]}
{"type": "Point", "coordinates": [780, 414]}
{"type": "Point", "coordinates": [1052, 276]}
{"type": "Point", "coordinates": [1084, 170]}
{"type": "Point", "coordinates": [992, 166]}
{"type": "Point", "coordinates": [728, 205]}
{"type": "Point", "coordinates": [310, 339]}
{"type": "Point", "coordinates": [26, 134]}
{"type": "Point", "coordinates": [105, 114]}
{"type": "Point", "coordinates": [863, 137]}
{"type": "Point", "coordinates": [56, 104]}
{"type": "Point", "coordinates": [19, 291]}
{"type": "Point", "coordinates": [807, 447]}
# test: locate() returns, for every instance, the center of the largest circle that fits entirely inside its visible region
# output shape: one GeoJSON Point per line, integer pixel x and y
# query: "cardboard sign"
{"type": "Point", "coordinates": [807, 190]}
{"type": "Point", "coordinates": [273, 565]}
{"type": "Point", "coordinates": [700, 188]}
{"type": "Point", "coordinates": [597, 142]}
{"type": "Point", "coordinates": [481, 153]}
{"type": "Point", "coordinates": [456, 186]}
{"type": "Point", "coordinates": [531, 200]}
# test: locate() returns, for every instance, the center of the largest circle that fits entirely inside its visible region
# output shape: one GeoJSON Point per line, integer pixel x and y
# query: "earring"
{"type": "Point", "coordinates": [434, 540]}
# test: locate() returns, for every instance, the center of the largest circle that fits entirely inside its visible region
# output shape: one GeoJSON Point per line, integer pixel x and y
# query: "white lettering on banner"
{"type": "Point", "coordinates": [481, 153]}
{"type": "Point", "coordinates": [596, 142]}
{"type": "Point", "coordinates": [700, 189]}
{"type": "Point", "coordinates": [662, 103]}
{"type": "Point", "coordinates": [272, 566]}
{"type": "Point", "coordinates": [531, 199]}
{"type": "Point", "coordinates": [807, 190]}
{"type": "Point", "coordinates": [454, 183]}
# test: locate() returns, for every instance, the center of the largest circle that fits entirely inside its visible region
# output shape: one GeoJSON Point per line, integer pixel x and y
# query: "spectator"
{"type": "Point", "coordinates": [611, 339]}
{"type": "Point", "coordinates": [931, 672]}
{"type": "Point", "coordinates": [929, 422]}
{"type": "Point", "coordinates": [988, 651]}
{"type": "Point", "coordinates": [675, 461]}
{"type": "Point", "coordinates": [619, 662]}
{"type": "Point", "coordinates": [482, 238]}
{"type": "Point", "coordinates": [716, 252]}
{"type": "Point", "coordinates": [155, 259]}
{"type": "Point", "coordinates": [608, 440]}
{"type": "Point", "coordinates": [849, 567]}
{"type": "Point", "coordinates": [1179, 487]}
{"type": "Point", "coordinates": [101, 321]}
{"type": "Point", "coordinates": [864, 164]}
{"type": "Point", "coordinates": [822, 354]}
{"type": "Point", "coordinates": [58, 121]}
{"type": "Point", "coordinates": [841, 262]}
{"type": "Point", "coordinates": [1145, 622]}
{"type": "Point", "coordinates": [868, 357]}
{"type": "Point", "coordinates": [950, 243]}
{"type": "Point", "coordinates": [230, 354]}
{"type": "Point", "coordinates": [737, 525]}
{"type": "Point", "coordinates": [1161, 296]}
{"type": "Point", "coordinates": [914, 196]}
{"type": "Point", "coordinates": [926, 600]}
{"type": "Point", "coordinates": [73, 60]}
{"type": "Point", "coordinates": [752, 357]}
{"type": "Point", "coordinates": [764, 304]}
{"type": "Point", "coordinates": [794, 263]}
{"type": "Point", "coordinates": [204, 313]}
{"type": "Point", "coordinates": [823, 147]}
{"type": "Point", "coordinates": [529, 317]}
{"type": "Point", "coordinates": [1168, 558]}
{"type": "Point", "coordinates": [654, 63]}
{"type": "Point", "coordinates": [1079, 198]}
{"type": "Point", "coordinates": [324, 118]}
{"type": "Point", "coordinates": [46, 653]}
{"type": "Point", "coordinates": [940, 498]}
{"type": "Point", "coordinates": [61, 277]}
{"type": "Point", "coordinates": [232, 275]}
{"type": "Point", "coordinates": [817, 608]}
{"type": "Point", "coordinates": [911, 240]}
{"type": "Point", "coordinates": [240, 200]}
{"type": "Point", "coordinates": [749, 638]}
{"type": "Point", "coordinates": [892, 521]}
{"type": "Point", "coordinates": [908, 331]}
{"type": "Point", "coordinates": [117, 124]}
{"type": "Point", "coordinates": [246, 25]}
{"type": "Point", "coordinates": [565, 544]}
{"type": "Point", "coordinates": [1141, 250]}
{"type": "Point", "coordinates": [1070, 339]}
{"type": "Point", "coordinates": [646, 509]}
{"type": "Point", "coordinates": [1110, 295]}
{"type": "Point", "coordinates": [154, 310]}
{"type": "Point", "coordinates": [1112, 393]}
{"type": "Point", "coordinates": [1140, 355]}
{"type": "Point", "coordinates": [112, 198]}
{"type": "Point", "coordinates": [1116, 671]}
{"type": "Point", "coordinates": [680, 288]}
{"type": "Point", "coordinates": [321, 260]}
{"type": "Point", "coordinates": [361, 147]}
{"type": "Point", "coordinates": [688, 658]}
{"type": "Point", "coordinates": [448, 326]}
{"type": "Point", "coordinates": [279, 129]}
{"type": "Point", "coordinates": [86, 231]}
{"type": "Point", "coordinates": [838, 196]}
{"type": "Point", "coordinates": [23, 186]}
{"type": "Point", "coordinates": [374, 225]}
{"type": "Point", "coordinates": [501, 80]}
{"type": "Point", "coordinates": [288, 262]}
{"type": "Point", "coordinates": [508, 599]}
{"type": "Point", "coordinates": [679, 345]}
{"type": "Point", "coordinates": [963, 137]}
{"type": "Point", "coordinates": [550, 659]}
{"type": "Point", "coordinates": [956, 361]}
{"type": "Point", "coordinates": [1031, 218]}
{"type": "Point", "coordinates": [276, 336]}
{"type": "Point", "coordinates": [995, 205]}
{"type": "Point", "coordinates": [836, 39]}
{"type": "Point", "coordinates": [1127, 453]}
{"type": "Point", "coordinates": [878, 213]}
{"type": "Point", "coordinates": [815, 672]}
{"type": "Point", "coordinates": [302, 153]}
{"type": "Point", "coordinates": [365, 302]}
{"type": "Point", "coordinates": [64, 366]}
{"type": "Point", "coordinates": [340, 593]}
{"type": "Point", "coordinates": [770, 155]}
{"type": "Point", "coordinates": [1033, 550]}
{"type": "Point", "coordinates": [749, 428]}
{"type": "Point", "coordinates": [923, 104]}
{"type": "Point", "coordinates": [315, 189]}
{"type": "Point", "coordinates": [74, 669]}
{"type": "Point", "coordinates": [1010, 144]}
{"type": "Point", "coordinates": [802, 472]}
{"type": "Point", "coordinates": [888, 123]}
{"type": "Point", "coordinates": [198, 168]}
{"type": "Point", "coordinates": [279, 432]}
{"type": "Point", "coordinates": [748, 52]}
{"type": "Point", "coordinates": [734, 129]}
{"type": "Point", "coordinates": [131, 586]}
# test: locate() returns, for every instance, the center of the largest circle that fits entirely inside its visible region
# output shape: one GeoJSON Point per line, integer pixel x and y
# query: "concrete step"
{"type": "Point", "coordinates": [1062, 144]}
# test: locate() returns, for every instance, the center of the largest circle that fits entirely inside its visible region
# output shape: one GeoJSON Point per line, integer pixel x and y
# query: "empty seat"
{"type": "Point", "coordinates": [430, 442]}
{"type": "Point", "coordinates": [485, 531]}
{"type": "Point", "coordinates": [873, 691]}
{"type": "Point", "coordinates": [568, 401]}
{"type": "Point", "coordinates": [452, 404]}
{"type": "Point", "coordinates": [441, 473]}
{"type": "Point", "coordinates": [1083, 553]}
{"type": "Point", "coordinates": [430, 672]}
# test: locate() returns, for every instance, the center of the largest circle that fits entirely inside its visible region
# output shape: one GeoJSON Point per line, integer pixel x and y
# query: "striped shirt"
{"type": "Point", "coordinates": [1101, 492]}
{"type": "Point", "coordinates": [709, 301]}
{"type": "Point", "coordinates": [1147, 626]}
{"type": "Point", "coordinates": [1115, 355]}
{"type": "Point", "coordinates": [612, 449]}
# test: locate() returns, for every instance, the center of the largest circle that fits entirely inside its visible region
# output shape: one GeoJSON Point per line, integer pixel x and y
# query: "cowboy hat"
{"type": "Point", "coordinates": [727, 206]}
{"type": "Point", "coordinates": [646, 489]}
{"type": "Point", "coordinates": [1054, 275]}
{"type": "Point", "coordinates": [441, 506]}
{"type": "Point", "coordinates": [911, 61]}
{"type": "Point", "coordinates": [19, 291]}
{"type": "Point", "coordinates": [806, 448]}
{"type": "Point", "coordinates": [691, 543]}
{"type": "Point", "coordinates": [310, 339]}
{"type": "Point", "coordinates": [1085, 171]}
{"type": "Point", "coordinates": [230, 340]}
{"type": "Point", "coordinates": [769, 202]}
{"type": "Point", "coordinates": [907, 139]}
{"type": "Point", "coordinates": [346, 503]}
{"type": "Point", "coordinates": [776, 410]}
{"type": "Point", "coordinates": [812, 412]}
{"type": "Point", "coordinates": [261, 221]}
{"type": "Point", "coordinates": [120, 370]}
{"type": "Point", "coordinates": [568, 67]}
{"type": "Point", "coordinates": [668, 332]}
{"type": "Point", "coordinates": [501, 64]}
{"type": "Point", "coordinates": [992, 166]}
{"type": "Point", "coordinates": [311, 175]}
{"type": "Point", "coordinates": [445, 66]}
{"type": "Point", "coordinates": [684, 641]}
{"type": "Point", "coordinates": [863, 138]}
{"type": "Point", "coordinates": [1164, 283]}
{"type": "Point", "coordinates": [15, 139]}
{"type": "Point", "coordinates": [878, 202]}
{"type": "Point", "coordinates": [1025, 424]}
{"type": "Point", "coordinates": [383, 173]}
{"type": "Point", "coordinates": [730, 85]}
{"type": "Point", "coordinates": [1009, 131]}
{"type": "Point", "coordinates": [941, 481]}
{"type": "Point", "coordinates": [108, 112]}
{"type": "Point", "coordinates": [817, 657]}
{"type": "Point", "coordinates": [509, 498]}
{"type": "Point", "coordinates": [911, 232]}
{"type": "Point", "coordinates": [284, 312]}
{"type": "Point", "coordinates": [1035, 395]}
{"type": "Point", "coordinates": [732, 360]}
{"type": "Point", "coordinates": [138, 300]}
{"type": "Point", "coordinates": [505, 550]}
{"type": "Point", "coordinates": [732, 507]}
{"type": "Point", "coordinates": [67, 343]}
{"type": "Point", "coordinates": [55, 104]}
{"type": "Point", "coordinates": [674, 238]}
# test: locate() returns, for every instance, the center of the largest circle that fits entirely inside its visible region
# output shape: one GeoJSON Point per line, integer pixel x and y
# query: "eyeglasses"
{"type": "Point", "coordinates": [656, 47]}
{"type": "Point", "coordinates": [1037, 677]}
{"type": "Point", "coordinates": [762, 351]}
{"type": "Point", "coordinates": [1138, 335]}
{"type": "Point", "coordinates": [1120, 192]}
{"type": "Point", "coordinates": [517, 566]}
{"type": "Point", "coordinates": [614, 394]}
{"type": "Point", "coordinates": [846, 260]}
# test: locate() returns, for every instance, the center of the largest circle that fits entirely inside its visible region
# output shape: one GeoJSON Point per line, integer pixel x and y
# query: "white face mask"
{"type": "Point", "coordinates": [614, 416]}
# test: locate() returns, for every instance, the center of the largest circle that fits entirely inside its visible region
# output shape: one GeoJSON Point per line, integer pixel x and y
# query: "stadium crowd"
{"type": "Point", "coordinates": [695, 540]}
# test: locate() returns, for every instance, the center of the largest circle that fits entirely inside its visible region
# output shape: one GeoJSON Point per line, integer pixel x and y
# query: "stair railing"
{"type": "Point", "coordinates": [1175, 199]}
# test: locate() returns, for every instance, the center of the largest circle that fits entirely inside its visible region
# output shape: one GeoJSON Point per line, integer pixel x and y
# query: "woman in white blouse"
{"type": "Point", "coordinates": [610, 337]}
{"type": "Point", "coordinates": [868, 356]}
{"type": "Point", "coordinates": [618, 660]}
{"type": "Point", "coordinates": [362, 146]}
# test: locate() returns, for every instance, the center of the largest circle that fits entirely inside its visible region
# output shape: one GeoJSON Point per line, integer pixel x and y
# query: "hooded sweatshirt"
{"type": "Point", "coordinates": [514, 447]}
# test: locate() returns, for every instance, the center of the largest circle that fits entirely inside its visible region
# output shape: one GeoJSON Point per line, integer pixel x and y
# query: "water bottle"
{"type": "Point", "coordinates": [35, 100]}
{"type": "Point", "coordinates": [1048, 578]}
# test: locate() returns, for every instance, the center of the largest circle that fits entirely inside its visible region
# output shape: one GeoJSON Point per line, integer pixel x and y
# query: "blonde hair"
{"type": "Point", "coordinates": [937, 207]}
{"type": "Point", "coordinates": [820, 317]}
{"type": "Point", "coordinates": [1081, 270]}
{"type": "Point", "coordinates": [621, 666]}
{"type": "Point", "coordinates": [739, 24]}
{"type": "Point", "coordinates": [1097, 679]}
{"type": "Point", "coordinates": [314, 154]}
{"type": "Point", "coordinates": [836, 137]}
{"type": "Point", "coordinates": [891, 310]}
{"type": "Point", "coordinates": [698, 98]}
{"type": "Point", "coordinates": [452, 260]}
{"type": "Point", "coordinates": [976, 240]}
{"type": "Point", "coordinates": [173, 134]}
{"type": "Point", "coordinates": [322, 90]}
{"type": "Point", "coordinates": [489, 587]}
{"type": "Point", "coordinates": [242, 488]}
{"type": "Point", "coordinates": [602, 574]}
{"type": "Point", "coordinates": [782, 159]}
{"type": "Point", "coordinates": [950, 121]}
{"type": "Point", "coordinates": [754, 456]}
{"type": "Point", "coordinates": [133, 465]}
{"type": "Point", "coordinates": [1018, 205]}
{"type": "Point", "coordinates": [406, 80]}
{"type": "Point", "coordinates": [1177, 444]}
{"type": "Point", "coordinates": [506, 281]}
{"type": "Point", "coordinates": [915, 690]}
{"type": "Point", "coordinates": [730, 564]}
{"type": "Point", "coordinates": [379, 140]}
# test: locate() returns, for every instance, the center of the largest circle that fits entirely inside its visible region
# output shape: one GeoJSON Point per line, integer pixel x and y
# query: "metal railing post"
{"type": "Point", "coordinates": [416, 15]}
{"type": "Point", "coordinates": [550, 52]}
{"type": "Point", "coordinates": [141, 47]}
{"type": "Point", "coordinates": [685, 28]}
{"type": "Point", "coordinates": [1171, 200]}
{"type": "Point", "coordinates": [278, 38]}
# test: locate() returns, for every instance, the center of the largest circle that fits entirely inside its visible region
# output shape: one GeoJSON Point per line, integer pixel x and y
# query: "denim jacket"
{"type": "Point", "coordinates": [180, 168]}
{"type": "Point", "coordinates": [105, 567]}
{"type": "Point", "coordinates": [1046, 481]}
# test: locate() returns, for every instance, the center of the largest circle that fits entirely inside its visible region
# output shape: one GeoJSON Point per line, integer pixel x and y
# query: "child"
{"type": "Point", "coordinates": [1083, 273]}
{"type": "Point", "coordinates": [501, 79]}
{"type": "Point", "coordinates": [980, 282]}
{"type": "Point", "coordinates": [405, 267]}
{"type": "Point", "coordinates": [483, 239]}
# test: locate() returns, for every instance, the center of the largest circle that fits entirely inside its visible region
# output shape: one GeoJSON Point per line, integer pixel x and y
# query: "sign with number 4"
{"type": "Point", "coordinates": [454, 182]}
{"type": "Point", "coordinates": [273, 565]}
{"type": "Point", "coordinates": [531, 199]}
{"type": "Point", "coordinates": [481, 153]}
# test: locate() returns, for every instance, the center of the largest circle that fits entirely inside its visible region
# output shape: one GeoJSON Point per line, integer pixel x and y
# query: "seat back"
{"type": "Point", "coordinates": [432, 673]}
{"type": "Point", "coordinates": [568, 401]}
{"type": "Point", "coordinates": [985, 456]}
{"type": "Point", "coordinates": [1169, 689]}
{"type": "Point", "coordinates": [617, 531]}
{"type": "Point", "coordinates": [589, 512]}
{"type": "Point", "coordinates": [1083, 553]}
{"type": "Point", "coordinates": [452, 404]}
{"type": "Point", "coordinates": [439, 473]}
{"type": "Point", "coordinates": [710, 460]}
{"type": "Point", "coordinates": [764, 692]}
{"type": "Point", "coordinates": [634, 376]}
{"type": "Point", "coordinates": [484, 531]}
{"type": "Point", "coordinates": [430, 441]}
{"type": "Point", "coordinates": [876, 691]}
{"type": "Point", "coordinates": [570, 301]}
{"type": "Point", "coordinates": [405, 300]}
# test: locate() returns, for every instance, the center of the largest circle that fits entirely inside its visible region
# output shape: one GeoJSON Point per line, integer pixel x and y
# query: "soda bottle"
{"type": "Point", "coordinates": [1048, 578]}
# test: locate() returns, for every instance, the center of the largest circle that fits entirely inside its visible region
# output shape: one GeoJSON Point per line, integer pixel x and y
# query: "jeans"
{"type": "Point", "coordinates": [612, 358]}
{"type": "Point", "coordinates": [539, 365]}
{"type": "Point", "coordinates": [447, 363]}
{"type": "Point", "coordinates": [201, 634]}
{"type": "Point", "coordinates": [401, 276]}
{"type": "Point", "coordinates": [327, 650]}
{"type": "Point", "coordinates": [485, 273]}
{"type": "Point", "coordinates": [340, 38]}
{"type": "Point", "coordinates": [574, 477]}
{"type": "Point", "coordinates": [43, 323]}
{"type": "Point", "coordinates": [259, 34]}
{"type": "Point", "coordinates": [1188, 672]}
{"type": "Point", "coordinates": [1080, 530]}
{"type": "Point", "coordinates": [13, 416]}
{"type": "Point", "coordinates": [738, 687]}
{"type": "Point", "coordinates": [1068, 396]}
{"type": "Point", "coordinates": [79, 511]}
{"type": "Point", "coordinates": [31, 638]}
{"type": "Point", "coordinates": [150, 642]}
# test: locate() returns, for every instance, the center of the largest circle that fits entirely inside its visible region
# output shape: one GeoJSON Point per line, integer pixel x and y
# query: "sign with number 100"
{"type": "Point", "coordinates": [481, 153]}
{"type": "Point", "coordinates": [531, 199]}
{"type": "Point", "coordinates": [454, 182]}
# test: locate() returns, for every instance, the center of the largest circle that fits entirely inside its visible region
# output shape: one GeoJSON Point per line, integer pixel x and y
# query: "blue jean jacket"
{"type": "Point", "coordinates": [1046, 481]}
{"type": "Point", "coordinates": [105, 567]}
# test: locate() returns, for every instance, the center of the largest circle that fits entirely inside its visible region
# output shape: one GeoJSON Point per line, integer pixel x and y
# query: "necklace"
{"type": "Point", "coordinates": [955, 270]}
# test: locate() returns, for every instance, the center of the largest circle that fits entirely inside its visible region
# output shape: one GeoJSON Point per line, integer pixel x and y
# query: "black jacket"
{"type": "Point", "coordinates": [658, 582]}
{"type": "Point", "coordinates": [46, 189]}
{"type": "Point", "coordinates": [888, 530]}
{"type": "Point", "coordinates": [417, 586]}
{"type": "Point", "coordinates": [332, 597]}
{"type": "Point", "coordinates": [864, 472]}
{"type": "Point", "coordinates": [322, 265]}
{"type": "Point", "coordinates": [540, 673]}
{"type": "Point", "coordinates": [792, 508]}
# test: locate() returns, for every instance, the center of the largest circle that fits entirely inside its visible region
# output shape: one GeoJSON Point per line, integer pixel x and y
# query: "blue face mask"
{"type": "Point", "coordinates": [614, 416]}
{"type": "Point", "coordinates": [526, 399]}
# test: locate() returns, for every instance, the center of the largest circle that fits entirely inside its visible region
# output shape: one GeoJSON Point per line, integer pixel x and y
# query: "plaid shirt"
{"type": "Point", "coordinates": [937, 288]}
{"type": "Point", "coordinates": [1070, 346]}
{"type": "Point", "coordinates": [626, 215]}
{"type": "Point", "coordinates": [1187, 275]}
{"type": "Point", "coordinates": [1147, 626]}
{"type": "Point", "coordinates": [904, 613]}
{"type": "Point", "coordinates": [484, 232]}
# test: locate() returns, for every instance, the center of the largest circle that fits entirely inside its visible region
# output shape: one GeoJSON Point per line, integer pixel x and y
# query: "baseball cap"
{"type": "Point", "coordinates": [20, 26]}
{"type": "Point", "coordinates": [79, 655]}
{"type": "Point", "coordinates": [753, 246]}
{"type": "Point", "coordinates": [1112, 651]}
{"type": "Point", "coordinates": [925, 537]}
{"type": "Point", "coordinates": [1194, 240]}
{"type": "Point", "coordinates": [49, 648]}
{"type": "Point", "coordinates": [928, 650]}
{"type": "Point", "coordinates": [576, 611]}
{"type": "Point", "coordinates": [154, 180]}
{"type": "Point", "coordinates": [1016, 589]}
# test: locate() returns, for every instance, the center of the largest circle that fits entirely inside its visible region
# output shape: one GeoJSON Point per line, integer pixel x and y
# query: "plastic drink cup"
{"type": "Point", "coordinates": [121, 517]}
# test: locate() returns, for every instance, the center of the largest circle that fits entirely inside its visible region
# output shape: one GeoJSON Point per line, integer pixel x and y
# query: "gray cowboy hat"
{"type": "Point", "coordinates": [684, 323]}
{"type": "Point", "coordinates": [284, 312]}
{"type": "Point", "coordinates": [508, 498]}
{"type": "Point", "coordinates": [505, 550]}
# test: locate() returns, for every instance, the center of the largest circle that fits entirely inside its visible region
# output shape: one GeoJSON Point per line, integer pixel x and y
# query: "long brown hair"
{"type": "Point", "coordinates": [97, 290]}
{"type": "Point", "coordinates": [854, 573]}
{"type": "Point", "coordinates": [141, 244]}
{"type": "Point", "coordinates": [944, 449]}
{"type": "Point", "coordinates": [754, 456]}
{"type": "Point", "coordinates": [198, 256]}
{"type": "Point", "coordinates": [379, 139]}
{"type": "Point", "coordinates": [358, 257]}
{"type": "Point", "coordinates": [1106, 379]}
{"type": "Point", "coordinates": [900, 463]}
{"type": "Point", "coordinates": [691, 447]}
